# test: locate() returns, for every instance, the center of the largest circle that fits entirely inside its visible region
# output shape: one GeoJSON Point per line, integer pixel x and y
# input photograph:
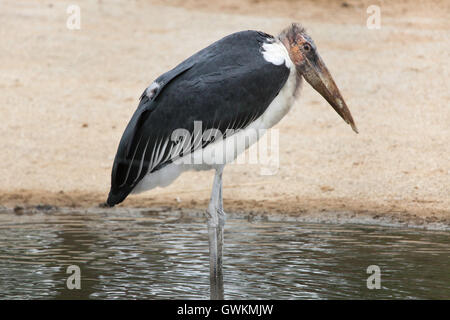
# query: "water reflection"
{"type": "Point", "coordinates": [156, 255]}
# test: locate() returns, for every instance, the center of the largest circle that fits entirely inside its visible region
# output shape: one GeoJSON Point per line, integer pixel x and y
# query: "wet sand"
{"type": "Point", "coordinates": [66, 97]}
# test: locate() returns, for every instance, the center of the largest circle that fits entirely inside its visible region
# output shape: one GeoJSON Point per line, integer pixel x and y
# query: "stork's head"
{"type": "Point", "coordinates": [309, 64]}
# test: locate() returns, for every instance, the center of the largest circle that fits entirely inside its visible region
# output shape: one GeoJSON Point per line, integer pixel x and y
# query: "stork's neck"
{"type": "Point", "coordinates": [286, 38]}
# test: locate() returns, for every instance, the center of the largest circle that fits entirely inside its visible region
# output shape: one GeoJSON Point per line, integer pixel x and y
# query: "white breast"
{"type": "Point", "coordinates": [226, 151]}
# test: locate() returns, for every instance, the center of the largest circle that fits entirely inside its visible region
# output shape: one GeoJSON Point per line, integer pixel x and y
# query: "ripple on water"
{"type": "Point", "coordinates": [141, 255]}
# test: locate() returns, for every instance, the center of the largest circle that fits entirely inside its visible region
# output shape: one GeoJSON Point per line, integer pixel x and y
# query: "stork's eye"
{"type": "Point", "coordinates": [306, 47]}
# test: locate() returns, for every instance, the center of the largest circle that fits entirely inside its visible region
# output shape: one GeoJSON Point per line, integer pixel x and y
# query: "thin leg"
{"type": "Point", "coordinates": [219, 261]}
{"type": "Point", "coordinates": [216, 222]}
{"type": "Point", "coordinates": [215, 293]}
{"type": "Point", "coordinates": [220, 238]}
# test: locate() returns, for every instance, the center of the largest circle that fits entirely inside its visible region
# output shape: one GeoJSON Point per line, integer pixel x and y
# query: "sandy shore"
{"type": "Point", "coordinates": [67, 95]}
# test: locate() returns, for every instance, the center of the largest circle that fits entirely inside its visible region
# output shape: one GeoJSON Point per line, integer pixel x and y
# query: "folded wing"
{"type": "Point", "coordinates": [224, 86]}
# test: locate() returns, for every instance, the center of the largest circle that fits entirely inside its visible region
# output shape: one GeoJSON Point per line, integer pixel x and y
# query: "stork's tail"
{"type": "Point", "coordinates": [115, 198]}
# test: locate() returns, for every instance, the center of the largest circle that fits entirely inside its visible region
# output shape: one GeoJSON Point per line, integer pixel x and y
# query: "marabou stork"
{"type": "Point", "coordinates": [240, 84]}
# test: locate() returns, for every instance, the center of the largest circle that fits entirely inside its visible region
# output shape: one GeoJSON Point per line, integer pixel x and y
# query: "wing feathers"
{"type": "Point", "coordinates": [224, 86]}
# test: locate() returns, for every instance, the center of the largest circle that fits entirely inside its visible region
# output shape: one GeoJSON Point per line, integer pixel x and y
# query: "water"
{"type": "Point", "coordinates": [156, 255]}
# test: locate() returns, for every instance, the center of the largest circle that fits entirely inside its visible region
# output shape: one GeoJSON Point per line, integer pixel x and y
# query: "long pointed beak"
{"type": "Point", "coordinates": [318, 76]}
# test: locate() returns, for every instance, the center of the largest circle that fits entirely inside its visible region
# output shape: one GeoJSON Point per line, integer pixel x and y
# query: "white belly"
{"type": "Point", "coordinates": [225, 151]}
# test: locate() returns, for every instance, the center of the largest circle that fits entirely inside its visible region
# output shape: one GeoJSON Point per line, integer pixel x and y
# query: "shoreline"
{"type": "Point", "coordinates": [336, 211]}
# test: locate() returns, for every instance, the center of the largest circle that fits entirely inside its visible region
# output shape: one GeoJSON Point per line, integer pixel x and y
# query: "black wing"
{"type": "Point", "coordinates": [225, 86]}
